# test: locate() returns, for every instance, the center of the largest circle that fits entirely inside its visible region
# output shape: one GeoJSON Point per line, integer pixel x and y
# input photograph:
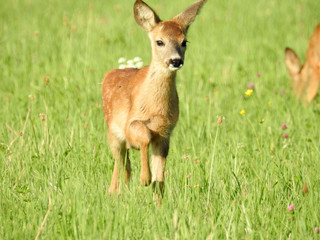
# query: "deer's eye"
{"type": "Point", "coordinates": [160, 43]}
{"type": "Point", "coordinates": [184, 43]}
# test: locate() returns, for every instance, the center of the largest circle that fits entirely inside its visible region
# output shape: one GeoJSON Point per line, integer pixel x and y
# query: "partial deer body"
{"type": "Point", "coordinates": [141, 106]}
{"type": "Point", "coordinates": [306, 78]}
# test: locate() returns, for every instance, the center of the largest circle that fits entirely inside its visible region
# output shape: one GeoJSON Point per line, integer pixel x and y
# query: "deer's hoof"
{"type": "Point", "coordinates": [145, 179]}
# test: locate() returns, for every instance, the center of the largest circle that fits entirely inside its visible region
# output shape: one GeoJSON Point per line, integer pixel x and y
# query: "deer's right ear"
{"type": "Point", "coordinates": [292, 62]}
{"type": "Point", "coordinates": [146, 18]}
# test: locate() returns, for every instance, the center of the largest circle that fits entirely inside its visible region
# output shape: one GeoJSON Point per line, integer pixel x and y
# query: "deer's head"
{"type": "Point", "coordinates": [305, 78]}
{"type": "Point", "coordinates": [168, 38]}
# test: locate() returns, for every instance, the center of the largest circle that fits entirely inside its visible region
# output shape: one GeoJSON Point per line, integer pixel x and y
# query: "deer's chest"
{"type": "Point", "coordinates": [159, 116]}
{"type": "Point", "coordinates": [162, 125]}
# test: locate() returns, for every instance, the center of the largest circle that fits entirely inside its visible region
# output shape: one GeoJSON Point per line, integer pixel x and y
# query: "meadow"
{"type": "Point", "coordinates": [253, 176]}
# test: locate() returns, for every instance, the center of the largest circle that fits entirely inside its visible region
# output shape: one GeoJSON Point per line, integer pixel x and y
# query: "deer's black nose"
{"type": "Point", "coordinates": [177, 62]}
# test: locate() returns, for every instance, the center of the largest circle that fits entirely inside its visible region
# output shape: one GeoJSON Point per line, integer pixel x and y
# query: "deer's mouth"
{"type": "Point", "coordinates": [174, 68]}
{"type": "Point", "coordinates": [175, 64]}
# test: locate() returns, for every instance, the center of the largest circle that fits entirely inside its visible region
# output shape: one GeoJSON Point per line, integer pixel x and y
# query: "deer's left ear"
{"type": "Point", "coordinates": [187, 16]}
{"type": "Point", "coordinates": [292, 62]}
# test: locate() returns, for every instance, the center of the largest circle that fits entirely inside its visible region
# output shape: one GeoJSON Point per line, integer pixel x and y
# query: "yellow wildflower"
{"type": "Point", "coordinates": [248, 92]}
{"type": "Point", "coordinates": [196, 186]}
{"type": "Point", "coordinates": [242, 112]}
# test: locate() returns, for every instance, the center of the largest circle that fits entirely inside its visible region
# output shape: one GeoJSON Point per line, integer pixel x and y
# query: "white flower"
{"type": "Point", "coordinates": [137, 59]}
{"type": "Point", "coordinates": [130, 62]}
{"type": "Point", "coordinates": [121, 60]}
{"type": "Point", "coordinates": [139, 64]}
{"type": "Point", "coordinates": [131, 66]}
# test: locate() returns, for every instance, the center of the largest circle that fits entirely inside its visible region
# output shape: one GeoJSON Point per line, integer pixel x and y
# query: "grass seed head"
{"type": "Point", "coordinates": [46, 79]}
{"type": "Point", "coordinates": [31, 97]}
{"type": "Point", "coordinates": [305, 188]}
{"type": "Point", "coordinates": [220, 120]}
{"type": "Point", "coordinates": [42, 117]}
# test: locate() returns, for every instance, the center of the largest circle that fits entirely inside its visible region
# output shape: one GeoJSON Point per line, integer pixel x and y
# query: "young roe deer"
{"type": "Point", "coordinates": [141, 107]}
{"type": "Point", "coordinates": [306, 78]}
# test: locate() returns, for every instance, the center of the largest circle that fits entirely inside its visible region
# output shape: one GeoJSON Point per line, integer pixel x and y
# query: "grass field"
{"type": "Point", "coordinates": [233, 181]}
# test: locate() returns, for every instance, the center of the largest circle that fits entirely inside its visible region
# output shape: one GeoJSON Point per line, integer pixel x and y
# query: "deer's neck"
{"type": "Point", "coordinates": [159, 90]}
{"type": "Point", "coordinates": [160, 81]}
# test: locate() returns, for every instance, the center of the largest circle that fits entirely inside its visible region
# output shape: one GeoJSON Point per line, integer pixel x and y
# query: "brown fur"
{"type": "Point", "coordinates": [306, 78]}
{"type": "Point", "coordinates": [141, 107]}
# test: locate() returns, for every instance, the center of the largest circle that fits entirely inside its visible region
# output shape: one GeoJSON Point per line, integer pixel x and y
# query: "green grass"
{"type": "Point", "coordinates": [254, 174]}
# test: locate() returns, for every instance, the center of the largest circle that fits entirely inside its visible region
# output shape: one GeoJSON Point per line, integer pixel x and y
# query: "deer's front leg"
{"type": "Point", "coordinates": [139, 136]}
{"type": "Point", "coordinates": [160, 149]}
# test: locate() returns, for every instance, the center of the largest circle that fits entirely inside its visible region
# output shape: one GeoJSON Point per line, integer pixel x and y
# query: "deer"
{"type": "Point", "coordinates": [305, 78]}
{"type": "Point", "coordinates": [141, 106]}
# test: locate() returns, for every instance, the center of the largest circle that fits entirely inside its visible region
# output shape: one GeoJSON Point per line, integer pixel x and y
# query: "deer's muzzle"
{"type": "Point", "coordinates": [175, 64]}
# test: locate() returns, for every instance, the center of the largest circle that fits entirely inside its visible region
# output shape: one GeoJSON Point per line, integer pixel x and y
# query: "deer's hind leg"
{"type": "Point", "coordinates": [118, 149]}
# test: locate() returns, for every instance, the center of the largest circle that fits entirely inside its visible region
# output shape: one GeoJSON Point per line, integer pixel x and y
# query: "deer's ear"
{"type": "Point", "coordinates": [292, 62]}
{"type": "Point", "coordinates": [187, 16]}
{"type": "Point", "coordinates": [146, 18]}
